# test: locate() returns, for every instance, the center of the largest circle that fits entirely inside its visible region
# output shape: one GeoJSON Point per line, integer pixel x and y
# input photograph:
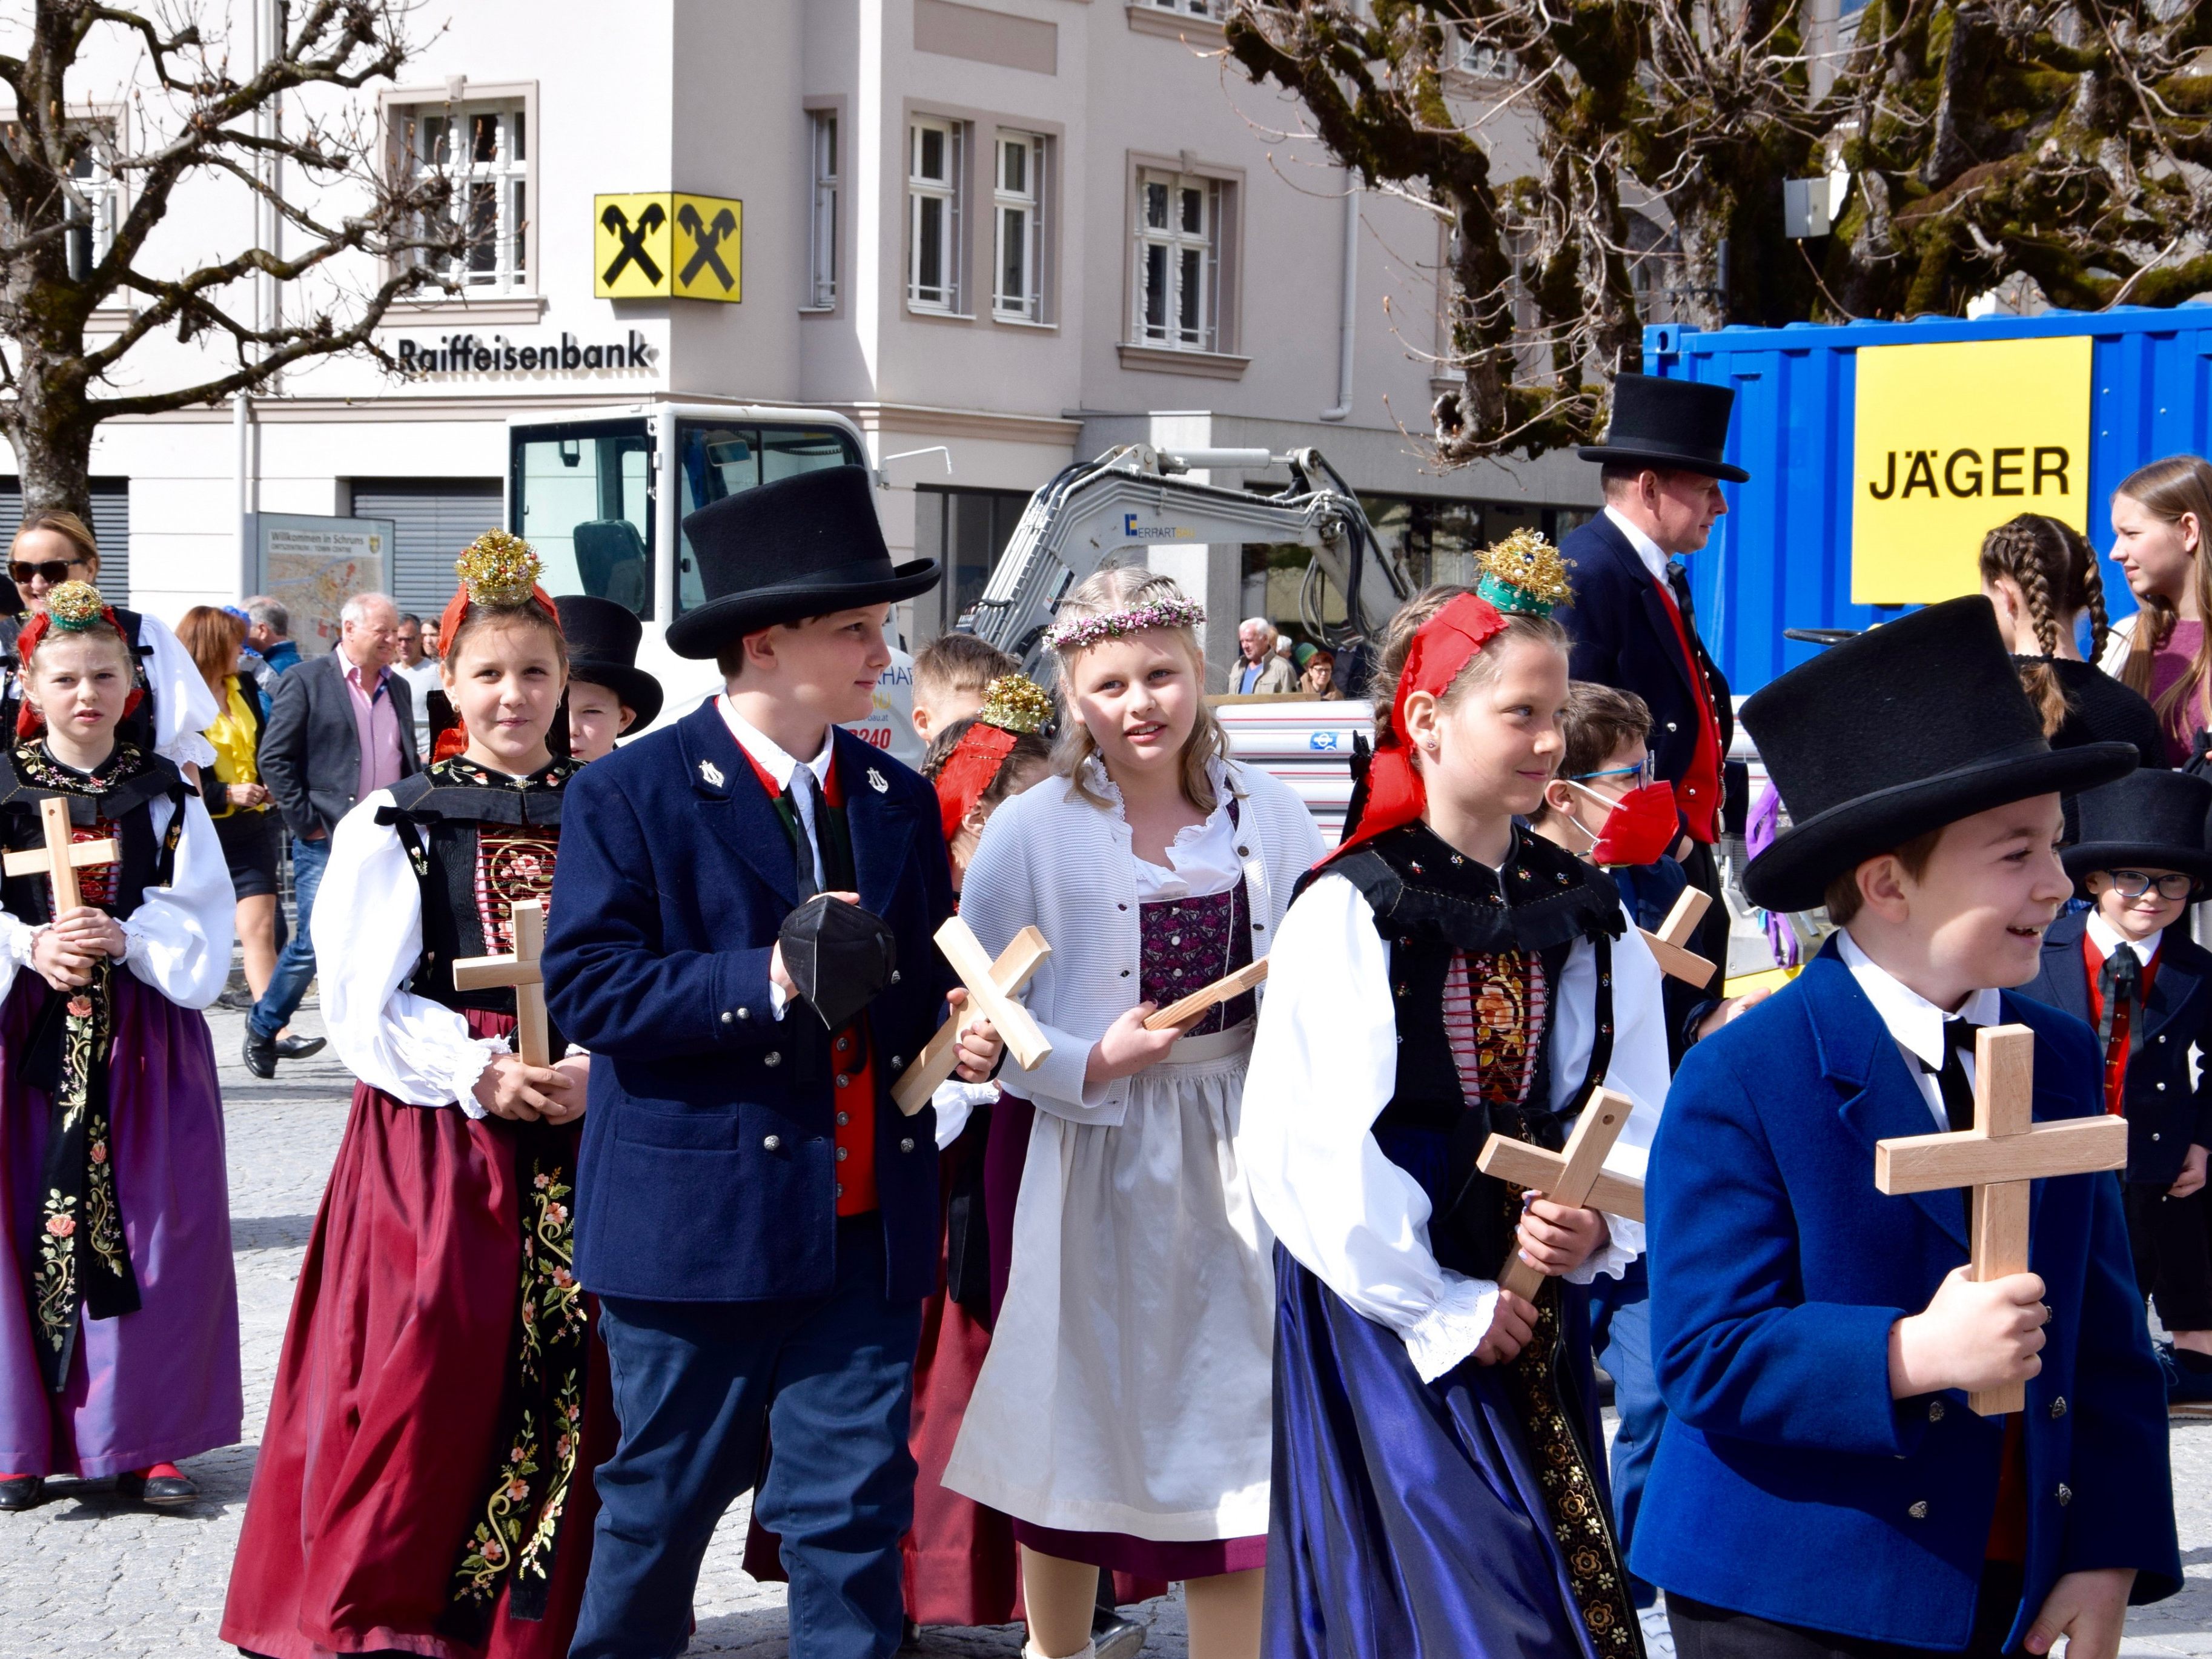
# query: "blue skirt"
{"type": "Point", "coordinates": [1425, 1521]}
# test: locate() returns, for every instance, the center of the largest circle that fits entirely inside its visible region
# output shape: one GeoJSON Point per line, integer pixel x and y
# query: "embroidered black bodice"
{"type": "Point", "coordinates": [109, 801]}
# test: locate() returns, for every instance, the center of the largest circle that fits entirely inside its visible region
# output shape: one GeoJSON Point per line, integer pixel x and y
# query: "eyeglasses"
{"type": "Point", "coordinates": [1643, 773]}
{"type": "Point", "coordinates": [2134, 883]}
{"type": "Point", "coordinates": [53, 571]}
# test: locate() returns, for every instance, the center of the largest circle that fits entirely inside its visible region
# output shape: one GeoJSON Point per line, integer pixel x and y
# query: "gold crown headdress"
{"type": "Point", "coordinates": [1524, 573]}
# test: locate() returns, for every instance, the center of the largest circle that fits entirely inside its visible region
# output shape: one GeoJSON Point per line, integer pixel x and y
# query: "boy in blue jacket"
{"type": "Point", "coordinates": [1820, 1486]}
{"type": "Point", "coordinates": [2145, 987]}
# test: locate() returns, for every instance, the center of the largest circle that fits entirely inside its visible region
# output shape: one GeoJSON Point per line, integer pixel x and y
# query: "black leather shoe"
{"type": "Point", "coordinates": [25, 1492]}
{"type": "Point", "coordinates": [238, 1001]}
{"type": "Point", "coordinates": [298, 1047]}
{"type": "Point", "coordinates": [1113, 1637]}
{"type": "Point", "coordinates": [157, 1490]}
{"type": "Point", "coordinates": [260, 1055]}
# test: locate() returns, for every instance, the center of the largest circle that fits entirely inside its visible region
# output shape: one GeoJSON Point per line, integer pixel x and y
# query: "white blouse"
{"type": "Point", "coordinates": [368, 937]}
{"type": "Point", "coordinates": [178, 940]}
{"type": "Point", "coordinates": [184, 708]}
{"type": "Point", "coordinates": [1324, 1065]}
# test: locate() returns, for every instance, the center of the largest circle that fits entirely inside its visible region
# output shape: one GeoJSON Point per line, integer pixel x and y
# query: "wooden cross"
{"type": "Point", "coordinates": [2005, 1151]}
{"type": "Point", "coordinates": [1023, 1039]}
{"type": "Point", "coordinates": [1671, 943]}
{"type": "Point", "coordinates": [59, 860]}
{"type": "Point", "coordinates": [1016, 965]}
{"type": "Point", "coordinates": [519, 969]}
{"type": "Point", "coordinates": [1224, 989]}
{"type": "Point", "coordinates": [1576, 1176]}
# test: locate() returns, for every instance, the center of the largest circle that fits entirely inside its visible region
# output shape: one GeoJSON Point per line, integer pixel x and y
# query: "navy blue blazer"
{"type": "Point", "coordinates": [707, 1172]}
{"type": "Point", "coordinates": [1624, 637]}
{"type": "Point", "coordinates": [1788, 1484]}
{"type": "Point", "coordinates": [2166, 1112]}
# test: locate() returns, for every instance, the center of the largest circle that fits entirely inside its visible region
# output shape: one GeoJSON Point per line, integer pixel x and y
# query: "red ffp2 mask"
{"type": "Point", "coordinates": [1639, 829]}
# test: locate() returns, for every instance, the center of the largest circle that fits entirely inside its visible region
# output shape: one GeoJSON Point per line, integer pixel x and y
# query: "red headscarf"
{"type": "Point", "coordinates": [1441, 648]}
{"type": "Point", "coordinates": [28, 722]}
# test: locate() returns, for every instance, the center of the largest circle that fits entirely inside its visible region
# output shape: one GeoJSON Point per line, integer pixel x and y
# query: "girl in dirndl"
{"type": "Point", "coordinates": [1120, 1417]}
{"type": "Point", "coordinates": [425, 1480]}
{"type": "Point", "coordinates": [119, 1307]}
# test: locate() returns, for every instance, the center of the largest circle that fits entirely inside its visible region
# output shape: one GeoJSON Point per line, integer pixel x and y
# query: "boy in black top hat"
{"type": "Point", "coordinates": [608, 695]}
{"type": "Point", "coordinates": [2131, 969]}
{"type": "Point", "coordinates": [741, 932]}
{"type": "Point", "coordinates": [1820, 1485]}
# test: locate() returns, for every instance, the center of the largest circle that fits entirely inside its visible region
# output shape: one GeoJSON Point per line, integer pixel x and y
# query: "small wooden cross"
{"type": "Point", "coordinates": [1671, 943]}
{"type": "Point", "coordinates": [519, 968]}
{"type": "Point", "coordinates": [1225, 989]}
{"type": "Point", "coordinates": [1998, 1158]}
{"type": "Point", "coordinates": [59, 860]}
{"type": "Point", "coordinates": [1023, 1039]}
{"type": "Point", "coordinates": [1576, 1176]}
{"type": "Point", "coordinates": [1008, 974]}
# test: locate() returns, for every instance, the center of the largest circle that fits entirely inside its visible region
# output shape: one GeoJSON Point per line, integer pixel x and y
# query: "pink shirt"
{"type": "Point", "coordinates": [376, 724]}
{"type": "Point", "coordinates": [2169, 665]}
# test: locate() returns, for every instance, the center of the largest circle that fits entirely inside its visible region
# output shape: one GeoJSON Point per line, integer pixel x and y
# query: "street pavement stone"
{"type": "Point", "coordinates": [87, 1575]}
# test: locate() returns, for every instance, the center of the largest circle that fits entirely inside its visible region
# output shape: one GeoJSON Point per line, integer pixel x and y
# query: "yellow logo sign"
{"type": "Point", "coordinates": [663, 243]}
{"type": "Point", "coordinates": [1953, 440]}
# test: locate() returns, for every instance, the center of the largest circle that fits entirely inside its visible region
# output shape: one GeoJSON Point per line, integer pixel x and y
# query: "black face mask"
{"type": "Point", "coordinates": [838, 955]}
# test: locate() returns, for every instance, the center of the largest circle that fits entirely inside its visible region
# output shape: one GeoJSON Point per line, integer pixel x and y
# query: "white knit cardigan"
{"type": "Point", "coordinates": [1052, 860]}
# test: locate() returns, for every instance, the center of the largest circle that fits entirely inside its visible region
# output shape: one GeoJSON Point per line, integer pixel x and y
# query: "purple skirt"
{"type": "Point", "coordinates": [161, 1385]}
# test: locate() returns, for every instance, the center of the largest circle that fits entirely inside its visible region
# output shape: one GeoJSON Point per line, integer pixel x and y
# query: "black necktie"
{"type": "Point", "coordinates": [1678, 584]}
{"type": "Point", "coordinates": [1951, 1080]}
{"type": "Point", "coordinates": [808, 806]}
{"type": "Point", "coordinates": [2119, 984]}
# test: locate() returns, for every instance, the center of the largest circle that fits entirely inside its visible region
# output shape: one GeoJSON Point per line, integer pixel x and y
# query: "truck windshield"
{"type": "Point", "coordinates": [717, 460]}
{"type": "Point", "coordinates": [584, 500]}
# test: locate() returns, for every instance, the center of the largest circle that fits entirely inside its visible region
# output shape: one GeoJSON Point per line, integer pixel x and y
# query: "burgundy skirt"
{"type": "Point", "coordinates": [388, 1435]}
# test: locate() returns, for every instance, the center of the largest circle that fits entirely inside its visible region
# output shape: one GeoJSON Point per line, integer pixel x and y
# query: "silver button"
{"type": "Point", "coordinates": [744, 1013]}
{"type": "Point", "coordinates": [2064, 1494]}
{"type": "Point", "coordinates": [906, 1145]}
{"type": "Point", "coordinates": [844, 1082]}
{"type": "Point", "coordinates": [898, 1061]}
{"type": "Point", "coordinates": [727, 1016]}
{"type": "Point", "coordinates": [771, 1058]}
{"type": "Point", "coordinates": [841, 1189]}
{"type": "Point", "coordinates": [773, 1143]}
{"type": "Point", "coordinates": [2161, 1039]}
{"type": "Point", "coordinates": [2154, 1134]}
{"type": "Point", "coordinates": [1918, 1511]}
{"type": "Point", "coordinates": [841, 1154]}
{"type": "Point", "coordinates": [1934, 1411]}
{"type": "Point", "coordinates": [842, 1120]}
{"type": "Point", "coordinates": [2058, 1406]}
{"type": "Point", "coordinates": [1670, 726]}
{"type": "Point", "coordinates": [2161, 1088]}
{"type": "Point", "coordinates": [843, 1043]}
{"type": "Point", "coordinates": [894, 976]}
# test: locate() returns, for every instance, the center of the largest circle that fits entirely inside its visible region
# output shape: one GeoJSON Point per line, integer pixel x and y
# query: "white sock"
{"type": "Point", "coordinates": [1031, 1650]}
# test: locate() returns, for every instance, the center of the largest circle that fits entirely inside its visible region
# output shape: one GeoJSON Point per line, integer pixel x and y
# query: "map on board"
{"type": "Point", "coordinates": [311, 566]}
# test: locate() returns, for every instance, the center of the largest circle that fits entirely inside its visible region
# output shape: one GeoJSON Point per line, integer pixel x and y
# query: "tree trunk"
{"type": "Point", "coordinates": [50, 432]}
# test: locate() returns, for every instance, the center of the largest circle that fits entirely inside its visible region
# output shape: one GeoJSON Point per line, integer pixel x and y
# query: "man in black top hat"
{"type": "Point", "coordinates": [608, 694]}
{"type": "Point", "coordinates": [741, 931]}
{"type": "Point", "coordinates": [1632, 620]}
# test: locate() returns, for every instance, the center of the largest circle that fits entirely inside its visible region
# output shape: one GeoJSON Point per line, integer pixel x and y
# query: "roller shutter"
{"type": "Point", "coordinates": [432, 521]}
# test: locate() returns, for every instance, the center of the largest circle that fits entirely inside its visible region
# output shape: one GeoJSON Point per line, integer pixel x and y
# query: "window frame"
{"type": "Point", "coordinates": [1035, 204]}
{"type": "Point", "coordinates": [825, 205]}
{"type": "Point", "coordinates": [952, 190]}
{"type": "Point", "coordinates": [1176, 244]}
{"type": "Point", "coordinates": [461, 99]}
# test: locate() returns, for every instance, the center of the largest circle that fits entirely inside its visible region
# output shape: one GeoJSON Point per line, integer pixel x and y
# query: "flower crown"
{"type": "Point", "coordinates": [1015, 703]}
{"type": "Point", "coordinates": [73, 607]}
{"type": "Point", "coordinates": [1112, 624]}
{"type": "Point", "coordinates": [1524, 573]}
{"type": "Point", "coordinates": [499, 571]}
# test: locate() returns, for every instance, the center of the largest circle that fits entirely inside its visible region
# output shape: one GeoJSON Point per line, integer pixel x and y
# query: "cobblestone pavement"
{"type": "Point", "coordinates": [85, 1575]}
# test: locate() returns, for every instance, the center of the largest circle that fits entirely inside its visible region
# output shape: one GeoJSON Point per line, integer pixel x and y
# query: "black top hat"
{"type": "Point", "coordinates": [602, 639]}
{"type": "Point", "coordinates": [1904, 729]}
{"type": "Point", "coordinates": [800, 547]}
{"type": "Point", "coordinates": [1678, 424]}
{"type": "Point", "coordinates": [2153, 819]}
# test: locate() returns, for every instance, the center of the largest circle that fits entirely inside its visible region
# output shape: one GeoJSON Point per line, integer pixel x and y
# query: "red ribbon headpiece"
{"type": "Point", "coordinates": [1442, 647]}
{"type": "Point", "coordinates": [73, 607]}
{"type": "Point", "coordinates": [973, 762]}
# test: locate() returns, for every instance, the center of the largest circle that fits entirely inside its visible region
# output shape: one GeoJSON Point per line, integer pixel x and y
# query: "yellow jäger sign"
{"type": "Point", "coordinates": [664, 243]}
{"type": "Point", "coordinates": [1951, 441]}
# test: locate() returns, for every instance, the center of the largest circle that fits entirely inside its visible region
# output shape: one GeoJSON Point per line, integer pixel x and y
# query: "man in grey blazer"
{"type": "Point", "coordinates": [340, 728]}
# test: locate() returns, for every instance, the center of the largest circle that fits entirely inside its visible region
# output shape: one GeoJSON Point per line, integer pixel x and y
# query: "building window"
{"type": "Point", "coordinates": [1178, 283]}
{"type": "Point", "coordinates": [822, 223]}
{"type": "Point", "coordinates": [1019, 198]}
{"type": "Point", "coordinates": [932, 186]}
{"type": "Point", "coordinates": [965, 530]}
{"type": "Point", "coordinates": [483, 149]}
{"type": "Point", "coordinates": [89, 213]}
{"type": "Point", "coordinates": [1214, 8]}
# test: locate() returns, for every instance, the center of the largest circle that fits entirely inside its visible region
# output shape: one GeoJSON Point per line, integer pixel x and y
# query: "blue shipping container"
{"type": "Point", "coordinates": [1781, 556]}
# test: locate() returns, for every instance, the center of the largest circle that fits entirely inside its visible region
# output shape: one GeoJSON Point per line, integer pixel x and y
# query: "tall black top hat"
{"type": "Point", "coordinates": [602, 639]}
{"type": "Point", "coordinates": [1682, 424]}
{"type": "Point", "coordinates": [800, 547]}
{"type": "Point", "coordinates": [2153, 819]}
{"type": "Point", "coordinates": [1903, 730]}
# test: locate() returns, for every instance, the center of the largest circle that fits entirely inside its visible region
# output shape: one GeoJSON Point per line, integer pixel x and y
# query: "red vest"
{"type": "Point", "coordinates": [1698, 792]}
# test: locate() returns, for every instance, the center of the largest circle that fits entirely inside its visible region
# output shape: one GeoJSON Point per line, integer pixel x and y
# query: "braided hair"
{"type": "Point", "coordinates": [2055, 570]}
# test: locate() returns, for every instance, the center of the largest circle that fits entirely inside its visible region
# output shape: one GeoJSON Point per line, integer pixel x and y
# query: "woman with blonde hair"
{"type": "Point", "coordinates": [2160, 514]}
{"type": "Point", "coordinates": [237, 800]}
{"type": "Point", "coordinates": [1121, 1416]}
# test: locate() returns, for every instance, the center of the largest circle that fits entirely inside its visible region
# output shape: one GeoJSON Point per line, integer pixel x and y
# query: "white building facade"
{"type": "Point", "coordinates": [999, 236]}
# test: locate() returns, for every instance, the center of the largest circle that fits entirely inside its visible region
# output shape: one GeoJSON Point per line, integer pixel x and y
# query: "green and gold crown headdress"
{"type": "Point", "coordinates": [1524, 573]}
{"type": "Point", "coordinates": [500, 570]}
{"type": "Point", "coordinates": [1015, 703]}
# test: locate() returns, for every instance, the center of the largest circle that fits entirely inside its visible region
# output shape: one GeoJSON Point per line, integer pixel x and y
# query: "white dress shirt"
{"type": "Point", "coordinates": [1917, 1023]}
{"type": "Point", "coordinates": [1655, 560]}
{"type": "Point", "coordinates": [2105, 936]}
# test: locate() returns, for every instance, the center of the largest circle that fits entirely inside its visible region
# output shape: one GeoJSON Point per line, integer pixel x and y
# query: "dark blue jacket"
{"type": "Point", "coordinates": [1624, 637]}
{"type": "Point", "coordinates": [1788, 1484]}
{"type": "Point", "coordinates": [708, 1171]}
{"type": "Point", "coordinates": [2166, 1113]}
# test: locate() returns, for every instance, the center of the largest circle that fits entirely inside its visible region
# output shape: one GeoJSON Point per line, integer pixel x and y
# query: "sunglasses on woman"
{"type": "Point", "coordinates": [53, 572]}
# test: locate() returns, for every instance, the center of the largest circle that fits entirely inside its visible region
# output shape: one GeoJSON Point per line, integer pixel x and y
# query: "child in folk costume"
{"type": "Point", "coordinates": [118, 1314]}
{"type": "Point", "coordinates": [608, 695]}
{"type": "Point", "coordinates": [425, 1478]}
{"type": "Point", "coordinates": [1821, 1486]}
{"type": "Point", "coordinates": [2128, 968]}
{"type": "Point", "coordinates": [1446, 976]}
{"type": "Point", "coordinates": [1120, 1417]}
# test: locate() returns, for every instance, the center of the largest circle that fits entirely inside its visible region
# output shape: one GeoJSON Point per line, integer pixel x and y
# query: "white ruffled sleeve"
{"type": "Point", "coordinates": [178, 940]}
{"type": "Point", "coordinates": [368, 937]}
{"type": "Point", "coordinates": [955, 1100]}
{"type": "Point", "coordinates": [184, 708]}
{"type": "Point", "coordinates": [1324, 1063]}
{"type": "Point", "coordinates": [1638, 1069]}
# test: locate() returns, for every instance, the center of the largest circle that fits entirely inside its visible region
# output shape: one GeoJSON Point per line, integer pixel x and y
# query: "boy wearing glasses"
{"type": "Point", "coordinates": [2145, 987]}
